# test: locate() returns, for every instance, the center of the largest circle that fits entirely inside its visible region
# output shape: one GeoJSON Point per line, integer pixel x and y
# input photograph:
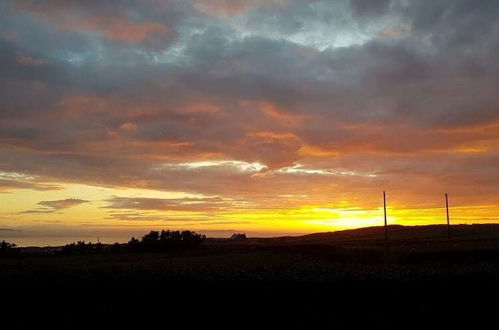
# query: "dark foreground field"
{"type": "Point", "coordinates": [336, 279]}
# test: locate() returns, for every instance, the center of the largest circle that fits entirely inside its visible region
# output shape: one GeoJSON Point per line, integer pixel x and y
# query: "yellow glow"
{"type": "Point", "coordinates": [297, 217]}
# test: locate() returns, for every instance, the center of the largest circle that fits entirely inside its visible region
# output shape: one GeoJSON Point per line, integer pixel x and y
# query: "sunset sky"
{"type": "Point", "coordinates": [268, 117]}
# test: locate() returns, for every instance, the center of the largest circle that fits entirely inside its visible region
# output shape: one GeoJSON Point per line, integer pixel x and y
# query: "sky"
{"type": "Point", "coordinates": [275, 117]}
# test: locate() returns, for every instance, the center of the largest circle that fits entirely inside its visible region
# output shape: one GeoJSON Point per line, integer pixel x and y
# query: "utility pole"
{"type": "Point", "coordinates": [448, 218]}
{"type": "Point", "coordinates": [384, 209]}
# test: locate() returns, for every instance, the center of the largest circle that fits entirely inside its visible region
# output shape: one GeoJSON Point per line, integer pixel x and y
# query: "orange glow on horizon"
{"type": "Point", "coordinates": [297, 218]}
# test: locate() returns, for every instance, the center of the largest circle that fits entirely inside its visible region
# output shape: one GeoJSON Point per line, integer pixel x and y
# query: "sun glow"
{"type": "Point", "coordinates": [108, 211]}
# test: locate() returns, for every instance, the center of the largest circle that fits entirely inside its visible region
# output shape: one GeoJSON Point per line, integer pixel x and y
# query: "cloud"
{"type": "Point", "coordinates": [56, 205]}
{"type": "Point", "coordinates": [272, 97]}
{"type": "Point", "coordinates": [373, 7]}
{"type": "Point", "coordinates": [7, 185]}
{"type": "Point", "coordinates": [178, 204]}
{"type": "Point", "coordinates": [233, 7]}
{"type": "Point", "coordinates": [30, 61]}
{"type": "Point", "coordinates": [9, 229]}
{"type": "Point", "coordinates": [111, 19]}
{"type": "Point", "coordinates": [63, 203]}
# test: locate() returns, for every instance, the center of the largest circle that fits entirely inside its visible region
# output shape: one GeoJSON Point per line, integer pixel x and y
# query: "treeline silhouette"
{"type": "Point", "coordinates": [166, 239]}
{"type": "Point", "coordinates": [153, 241]}
{"type": "Point", "coordinates": [81, 247]}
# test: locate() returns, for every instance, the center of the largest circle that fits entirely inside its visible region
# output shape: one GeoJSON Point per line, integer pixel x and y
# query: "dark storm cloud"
{"type": "Point", "coordinates": [107, 93]}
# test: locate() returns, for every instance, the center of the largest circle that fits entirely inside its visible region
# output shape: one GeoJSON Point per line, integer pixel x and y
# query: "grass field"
{"type": "Point", "coordinates": [338, 279]}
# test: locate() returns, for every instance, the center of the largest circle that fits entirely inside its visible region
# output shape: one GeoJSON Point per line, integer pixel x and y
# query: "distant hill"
{"type": "Point", "coordinates": [395, 233]}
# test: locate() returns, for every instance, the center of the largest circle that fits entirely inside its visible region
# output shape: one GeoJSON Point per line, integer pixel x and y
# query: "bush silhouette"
{"type": "Point", "coordinates": [7, 248]}
{"type": "Point", "coordinates": [4, 245]}
{"type": "Point", "coordinates": [133, 244]}
{"type": "Point", "coordinates": [116, 248]}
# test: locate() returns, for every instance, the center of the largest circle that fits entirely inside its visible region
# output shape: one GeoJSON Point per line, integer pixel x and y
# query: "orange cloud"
{"type": "Point", "coordinates": [272, 135]}
{"type": "Point", "coordinates": [317, 151]}
{"type": "Point", "coordinates": [203, 107]}
{"type": "Point", "coordinates": [226, 8]}
{"type": "Point", "coordinates": [284, 116]}
{"type": "Point", "coordinates": [121, 29]}
{"type": "Point", "coordinates": [129, 127]}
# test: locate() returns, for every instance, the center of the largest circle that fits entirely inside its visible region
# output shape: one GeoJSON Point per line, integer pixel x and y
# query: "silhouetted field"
{"type": "Point", "coordinates": [339, 279]}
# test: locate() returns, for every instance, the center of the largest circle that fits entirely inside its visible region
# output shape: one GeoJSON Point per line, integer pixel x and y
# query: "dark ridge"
{"type": "Point", "coordinates": [396, 233]}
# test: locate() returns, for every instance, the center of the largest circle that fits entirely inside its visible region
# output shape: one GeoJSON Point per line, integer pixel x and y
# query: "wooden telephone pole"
{"type": "Point", "coordinates": [448, 218]}
{"type": "Point", "coordinates": [384, 209]}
